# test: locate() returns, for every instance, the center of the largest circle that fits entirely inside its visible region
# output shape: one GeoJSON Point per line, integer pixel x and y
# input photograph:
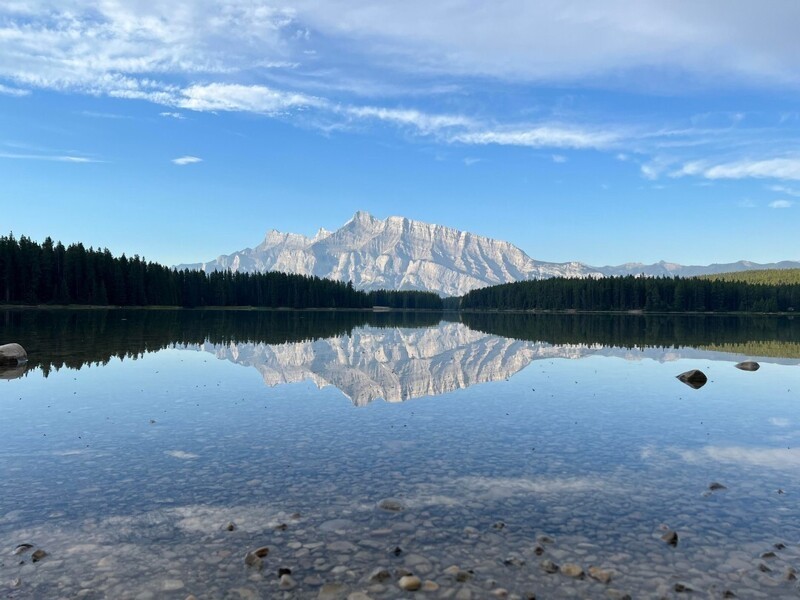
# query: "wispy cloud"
{"type": "Point", "coordinates": [773, 168]}
{"type": "Point", "coordinates": [469, 161]}
{"type": "Point", "coordinates": [541, 136]}
{"type": "Point", "coordinates": [781, 204]}
{"type": "Point", "coordinates": [782, 189]}
{"type": "Point", "coordinates": [186, 160]}
{"type": "Point", "coordinates": [421, 121]}
{"type": "Point", "coordinates": [103, 115]}
{"type": "Point", "coordinates": [172, 115]}
{"type": "Point", "coordinates": [12, 91]}
{"type": "Point", "coordinates": [559, 158]}
{"type": "Point", "coordinates": [49, 157]}
{"type": "Point", "coordinates": [243, 98]}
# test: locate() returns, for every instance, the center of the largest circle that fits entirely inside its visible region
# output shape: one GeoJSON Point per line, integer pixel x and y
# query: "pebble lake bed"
{"type": "Point", "coordinates": [171, 454]}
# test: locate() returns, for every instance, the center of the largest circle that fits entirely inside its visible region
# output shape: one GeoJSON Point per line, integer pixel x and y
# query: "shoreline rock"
{"type": "Point", "coordinates": [12, 355]}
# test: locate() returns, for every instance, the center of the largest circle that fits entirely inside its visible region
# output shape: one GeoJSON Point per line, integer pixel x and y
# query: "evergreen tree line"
{"type": "Point", "coordinates": [635, 293]}
{"type": "Point", "coordinates": [49, 273]}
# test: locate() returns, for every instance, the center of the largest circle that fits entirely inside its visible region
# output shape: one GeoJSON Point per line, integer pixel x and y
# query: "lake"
{"type": "Point", "coordinates": [150, 453]}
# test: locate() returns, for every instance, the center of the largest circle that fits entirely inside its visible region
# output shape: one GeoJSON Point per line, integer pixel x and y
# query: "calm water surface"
{"type": "Point", "coordinates": [135, 438]}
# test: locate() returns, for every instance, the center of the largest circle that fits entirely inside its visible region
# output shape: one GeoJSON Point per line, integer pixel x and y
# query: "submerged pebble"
{"type": "Point", "coordinates": [549, 566]}
{"type": "Point", "coordinates": [572, 570]}
{"type": "Point", "coordinates": [38, 555]}
{"type": "Point", "coordinates": [671, 537]}
{"type": "Point", "coordinates": [410, 583]}
{"type": "Point", "coordinates": [390, 505]}
{"type": "Point", "coordinates": [599, 574]}
{"type": "Point", "coordinates": [22, 548]}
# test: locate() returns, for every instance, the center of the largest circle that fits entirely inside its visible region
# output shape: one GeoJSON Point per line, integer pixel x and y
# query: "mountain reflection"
{"type": "Point", "coordinates": [393, 364]}
{"type": "Point", "coordinates": [394, 356]}
{"type": "Point", "coordinates": [397, 364]}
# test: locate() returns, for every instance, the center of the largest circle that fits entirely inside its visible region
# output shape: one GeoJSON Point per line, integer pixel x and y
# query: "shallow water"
{"type": "Point", "coordinates": [135, 437]}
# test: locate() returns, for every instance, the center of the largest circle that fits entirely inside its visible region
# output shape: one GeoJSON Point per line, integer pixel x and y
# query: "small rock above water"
{"type": "Point", "coordinates": [694, 378]}
{"type": "Point", "coordinates": [12, 354]}
{"type": "Point", "coordinates": [748, 365]}
{"type": "Point", "coordinates": [716, 486]}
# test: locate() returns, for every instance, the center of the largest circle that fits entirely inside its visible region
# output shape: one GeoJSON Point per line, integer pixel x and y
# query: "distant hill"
{"type": "Point", "coordinates": [763, 276]}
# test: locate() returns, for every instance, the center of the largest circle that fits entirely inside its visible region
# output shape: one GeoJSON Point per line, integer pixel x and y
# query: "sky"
{"type": "Point", "coordinates": [605, 132]}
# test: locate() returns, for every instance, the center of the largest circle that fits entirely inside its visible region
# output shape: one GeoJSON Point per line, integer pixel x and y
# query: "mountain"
{"type": "Point", "coordinates": [401, 254]}
{"type": "Point", "coordinates": [395, 253]}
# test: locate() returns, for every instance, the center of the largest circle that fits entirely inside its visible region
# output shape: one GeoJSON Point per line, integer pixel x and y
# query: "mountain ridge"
{"type": "Point", "coordinates": [403, 254]}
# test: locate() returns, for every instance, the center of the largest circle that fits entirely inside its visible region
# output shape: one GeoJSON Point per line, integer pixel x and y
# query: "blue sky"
{"type": "Point", "coordinates": [601, 132]}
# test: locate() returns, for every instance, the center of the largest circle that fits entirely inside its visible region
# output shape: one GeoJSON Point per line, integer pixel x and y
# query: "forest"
{"type": "Point", "coordinates": [658, 294]}
{"type": "Point", "coordinates": [50, 273]}
{"type": "Point", "coordinates": [762, 276]}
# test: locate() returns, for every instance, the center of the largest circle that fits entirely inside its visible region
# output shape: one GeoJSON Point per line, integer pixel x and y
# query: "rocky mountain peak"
{"type": "Point", "coordinates": [403, 254]}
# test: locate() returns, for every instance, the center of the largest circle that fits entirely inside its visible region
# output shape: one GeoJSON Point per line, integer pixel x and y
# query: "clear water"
{"type": "Point", "coordinates": [133, 438]}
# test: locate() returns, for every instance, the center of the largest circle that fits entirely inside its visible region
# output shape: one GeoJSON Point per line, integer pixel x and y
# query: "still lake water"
{"type": "Point", "coordinates": [134, 438]}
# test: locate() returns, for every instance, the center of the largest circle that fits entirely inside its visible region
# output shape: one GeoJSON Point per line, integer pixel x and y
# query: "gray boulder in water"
{"type": "Point", "coordinates": [694, 378]}
{"type": "Point", "coordinates": [12, 354]}
{"type": "Point", "coordinates": [748, 365]}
